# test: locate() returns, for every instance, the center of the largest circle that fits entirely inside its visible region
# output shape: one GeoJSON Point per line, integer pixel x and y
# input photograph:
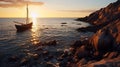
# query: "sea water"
{"type": "Point", "coordinates": [63, 30]}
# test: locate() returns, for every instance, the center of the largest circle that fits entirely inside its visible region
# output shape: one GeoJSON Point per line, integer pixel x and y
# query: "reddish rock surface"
{"type": "Point", "coordinates": [103, 48]}
{"type": "Point", "coordinates": [107, 38]}
{"type": "Point", "coordinates": [102, 17]}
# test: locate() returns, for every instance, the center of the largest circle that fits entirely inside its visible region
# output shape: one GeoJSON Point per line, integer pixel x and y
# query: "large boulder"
{"type": "Point", "coordinates": [107, 38]}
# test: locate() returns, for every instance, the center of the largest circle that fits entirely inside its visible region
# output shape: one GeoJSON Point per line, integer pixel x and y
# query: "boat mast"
{"type": "Point", "coordinates": [27, 19]}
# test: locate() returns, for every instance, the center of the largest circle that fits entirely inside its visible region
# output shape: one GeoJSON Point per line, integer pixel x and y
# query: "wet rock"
{"type": "Point", "coordinates": [82, 62]}
{"type": "Point", "coordinates": [60, 58]}
{"type": "Point", "coordinates": [72, 50]}
{"type": "Point", "coordinates": [68, 51]}
{"type": "Point", "coordinates": [45, 53]}
{"type": "Point", "coordinates": [13, 58]}
{"type": "Point", "coordinates": [81, 53]}
{"type": "Point", "coordinates": [64, 23]}
{"type": "Point", "coordinates": [80, 43]}
{"type": "Point", "coordinates": [46, 28]}
{"type": "Point", "coordinates": [57, 54]}
{"type": "Point", "coordinates": [38, 48]}
{"type": "Point", "coordinates": [24, 61]}
{"type": "Point", "coordinates": [26, 50]}
{"type": "Point", "coordinates": [39, 44]}
{"type": "Point", "coordinates": [88, 29]}
{"type": "Point", "coordinates": [63, 63]}
{"type": "Point", "coordinates": [57, 65]}
{"type": "Point", "coordinates": [66, 54]}
{"type": "Point", "coordinates": [63, 55]}
{"type": "Point", "coordinates": [50, 56]}
{"type": "Point", "coordinates": [51, 43]}
{"type": "Point", "coordinates": [79, 24]}
{"type": "Point", "coordinates": [49, 64]}
{"type": "Point", "coordinates": [112, 55]}
{"type": "Point", "coordinates": [77, 44]}
{"type": "Point", "coordinates": [35, 56]}
{"type": "Point", "coordinates": [65, 59]}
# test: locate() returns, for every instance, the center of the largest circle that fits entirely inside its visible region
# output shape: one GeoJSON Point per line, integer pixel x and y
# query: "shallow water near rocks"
{"type": "Point", "coordinates": [24, 44]}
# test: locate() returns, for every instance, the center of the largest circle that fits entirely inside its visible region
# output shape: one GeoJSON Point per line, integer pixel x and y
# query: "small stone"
{"type": "Point", "coordinates": [38, 48]}
{"type": "Point", "coordinates": [45, 52]}
{"type": "Point", "coordinates": [57, 65]}
{"type": "Point", "coordinates": [113, 55]}
{"type": "Point", "coordinates": [77, 44]}
{"type": "Point", "coordinates": [52, 43]}
{"type": "Point", "coordinates": [13, 59]}
{"type": "Point", "coordinates": [49, 64]}
{"type": "Point", "coordinates": [63, 23]}
{"type": "Point", "coordinates": [81, 52]}
{"type": "Point", "coordinates": [24, 61]}
{"type": "Point", "coordinates": [60, 59]}
{"type": "Point", "coordinates": [35, 56]}
{"type": "Point", "coordinates": [82, 62]}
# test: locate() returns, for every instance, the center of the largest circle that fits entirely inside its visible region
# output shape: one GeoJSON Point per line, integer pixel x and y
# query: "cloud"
{"type": "Point", "coordinates": [91, 10]}
{"type": "Point", "coordinates": [17, 3]}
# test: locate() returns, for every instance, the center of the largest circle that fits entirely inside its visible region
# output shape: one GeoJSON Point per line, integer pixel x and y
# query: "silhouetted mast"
{"type": "Point", "coordinates": [27, 19]}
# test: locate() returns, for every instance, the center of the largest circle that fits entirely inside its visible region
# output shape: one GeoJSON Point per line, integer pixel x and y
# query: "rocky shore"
{"type": "Point", "coordinates": [103, 48]}
{"type": "Point", "coordinates": [102, 17]}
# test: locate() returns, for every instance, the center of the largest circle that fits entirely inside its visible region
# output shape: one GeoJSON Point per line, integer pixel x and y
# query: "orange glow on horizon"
{"type": "Point", "coordinates": [37, 12]}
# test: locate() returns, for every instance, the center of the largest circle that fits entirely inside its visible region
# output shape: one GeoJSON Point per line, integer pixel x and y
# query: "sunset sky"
{"type": "Point", "coordinates": [51, 8]}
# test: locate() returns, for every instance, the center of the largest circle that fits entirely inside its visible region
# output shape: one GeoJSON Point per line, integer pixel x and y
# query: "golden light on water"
{"type": "Point", "coordinates": [35, 32]}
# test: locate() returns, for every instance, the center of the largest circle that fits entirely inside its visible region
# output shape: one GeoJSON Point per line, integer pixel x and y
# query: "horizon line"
{"type": "Point", "coordinates": [42, 17]}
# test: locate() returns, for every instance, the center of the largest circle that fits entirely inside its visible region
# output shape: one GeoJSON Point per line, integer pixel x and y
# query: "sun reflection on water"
{"type": "Point", "coordinates": [35, 31]}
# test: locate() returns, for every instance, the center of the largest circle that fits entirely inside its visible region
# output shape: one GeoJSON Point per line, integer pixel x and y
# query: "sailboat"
{"type": "Point", "coordinates": [24, 26]}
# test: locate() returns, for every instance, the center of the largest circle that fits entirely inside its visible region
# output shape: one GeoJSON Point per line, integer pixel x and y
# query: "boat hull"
{"type": "Point", "coordinates": [24, 27]}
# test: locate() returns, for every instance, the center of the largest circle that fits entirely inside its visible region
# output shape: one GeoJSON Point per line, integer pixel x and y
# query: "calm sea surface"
{"type": "Point", "coordinates": [44, 29]}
